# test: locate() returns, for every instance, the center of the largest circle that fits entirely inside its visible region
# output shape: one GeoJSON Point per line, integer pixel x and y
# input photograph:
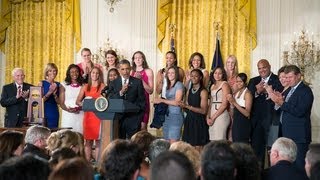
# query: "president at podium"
{"type": "Point", "coordinates": [130, 89]}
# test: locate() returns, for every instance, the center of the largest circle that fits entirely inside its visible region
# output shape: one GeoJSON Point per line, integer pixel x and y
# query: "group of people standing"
{"type": "Point", "coordinates": [228, 108]}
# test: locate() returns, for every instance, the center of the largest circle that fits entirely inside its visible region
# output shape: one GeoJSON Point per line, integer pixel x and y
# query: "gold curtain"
{"type": "Point", "coordinates": [35, 32]}
{"type": "Point", "coordinates": [195, 32]}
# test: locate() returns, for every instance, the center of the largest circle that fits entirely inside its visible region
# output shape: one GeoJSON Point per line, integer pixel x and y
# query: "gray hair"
{"type": "Point", "coordinates": [156, 147]}
{"type": "Point", "coordinates": [35, 133]}
{"type": "Point", "coordinates": [16, 70]}
{"type": "Point", "coordinates": [286, 147]}
{"type": "Point", "coordinates": [313, 155]}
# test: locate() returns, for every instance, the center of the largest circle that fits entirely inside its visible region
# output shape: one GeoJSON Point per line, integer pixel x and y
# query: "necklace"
{"type": "Point", "coordinates": [194, 90]}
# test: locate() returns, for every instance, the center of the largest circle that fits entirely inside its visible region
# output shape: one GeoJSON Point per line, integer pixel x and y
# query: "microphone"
{"type": "Point", "coordinates": [105, 91]}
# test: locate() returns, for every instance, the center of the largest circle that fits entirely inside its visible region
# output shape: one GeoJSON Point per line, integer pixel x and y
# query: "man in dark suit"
{"type": "Point", "coordinates": [14, 98]}
{"type": "Point", "coordinates": [130, 89]}
{"type": "Point", "coordinates": [282, 155]}
{"type": "Point", "coordinates": [295, 107]}
{"type": "Point", "coordinates": [262, 107]}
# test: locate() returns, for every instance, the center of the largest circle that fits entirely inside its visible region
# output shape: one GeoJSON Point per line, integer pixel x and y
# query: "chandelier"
{"type": "Point", "coordinates": [305, 54]}
{"type": "Point", "coordinates": [112, 3]}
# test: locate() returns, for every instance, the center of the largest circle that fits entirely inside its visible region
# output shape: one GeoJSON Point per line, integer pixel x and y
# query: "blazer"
{"type": "Point", "coordinates": [262, 108]}
{"type": "Point", "coordinates": [284, 170]}
{"type": "Point", "coordinates": [296, 122]}
{"type": "Point", "coordinates": [134, 94]}
{"type": "Point", "coordinates": [16, 109]}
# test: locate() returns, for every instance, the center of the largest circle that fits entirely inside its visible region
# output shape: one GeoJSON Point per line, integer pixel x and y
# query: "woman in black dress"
{"type": "Point", "coordinates": [242, 102]}
{"type": "Point", "coordinates": [195, 125]}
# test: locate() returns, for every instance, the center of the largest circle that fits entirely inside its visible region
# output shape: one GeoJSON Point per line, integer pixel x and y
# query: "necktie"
{"type": "Point", "coordinates": [125, 81]}
{"type": "Point", "coordinates": [289, 94]}
{"type": "Point", "coordinates": [19, 90]}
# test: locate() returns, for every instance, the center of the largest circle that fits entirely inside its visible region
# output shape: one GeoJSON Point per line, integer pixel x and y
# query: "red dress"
{"type": "Point", "coordinates": [91, 123]}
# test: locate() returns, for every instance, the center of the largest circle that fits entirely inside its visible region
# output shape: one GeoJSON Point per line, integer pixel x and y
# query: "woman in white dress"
{"type": "Point", "coordinates": [72, 115]}
{"type": "Point", "coordinates": [218, 117]}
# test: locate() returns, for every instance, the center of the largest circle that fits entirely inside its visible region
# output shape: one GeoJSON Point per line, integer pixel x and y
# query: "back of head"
{"type": "Point", "coordinates": [61, 154]}
{"type": "Point", "coordinates": [62, 138]}
{"type": "Point", "coordinates": [189, 151]}
{"type": "Point", "coordinates": [143, 139]}
{"type": "Point", "coordinates": [74, 168]}
{"type": "Point", "coordinates": [286, 148]}
{"type": "Point", "coordinates": [218, 161]}
{"type": "Point", "coordinates": [27, 167]}
{"type": "Point", "coordinates": [315, 172]}
{"type": "Point", "coordinates": [121, 161]}
{"type": "Point", "coordinates": [172, 165]}
{"type": "Point", "coordinates": [156, 147]}
{"type": "Point", "coordinates": [35, 133]}
{"type": "Point", "coordinates": [9, 142]}
{"type": "Point", "coordinates": [312, 157]}
{"type": "Point", "coordinates": [246, 162]}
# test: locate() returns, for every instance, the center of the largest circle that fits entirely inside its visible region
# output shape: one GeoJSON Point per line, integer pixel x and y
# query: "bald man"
{"type": "Point", "coordinates": [14, 98]}
{"type": "Point", "coordinates": [262, 107]}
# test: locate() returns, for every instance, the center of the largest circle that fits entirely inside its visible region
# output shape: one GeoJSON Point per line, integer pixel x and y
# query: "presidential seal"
{"type": "Point", "coordinates": [101, 104]}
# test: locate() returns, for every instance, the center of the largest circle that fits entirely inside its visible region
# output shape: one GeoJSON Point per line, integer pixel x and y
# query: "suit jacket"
{"type": "Point", "coordinates": [16, 109]}
{"type": "Point", "coordinates": [263, 108]}
{"type": "Point", "coordinates": [284, 170]}
{"type": "Point", "coordinates": [134, 94]}
{"type": "Point", "coordinates": [296, 123]}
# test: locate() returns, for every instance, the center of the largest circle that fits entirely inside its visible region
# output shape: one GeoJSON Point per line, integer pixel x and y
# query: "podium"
{"type": "Point", "coordinates": [109, 118]}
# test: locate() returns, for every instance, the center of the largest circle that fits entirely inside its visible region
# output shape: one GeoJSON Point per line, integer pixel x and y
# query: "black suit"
{"type": "Point", "coordinates": [16, 109]}
{"type": "Point", "coordinates": [296, 122]}
{"type": "Point", "coordinates": [261, 114]}
{"type": "Point", "coordinates": [284, 170]}
{"type": "Point", "coordinates": [129, 123]}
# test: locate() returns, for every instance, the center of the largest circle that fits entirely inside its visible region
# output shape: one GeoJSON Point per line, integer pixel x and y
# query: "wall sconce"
{"type": "Point", "coordinates": [305, 54]}
{"type": "Point", "coordinates": [112, 3]}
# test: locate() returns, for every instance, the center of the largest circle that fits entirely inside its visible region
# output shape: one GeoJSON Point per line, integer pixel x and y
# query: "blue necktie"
{"type": "Point", "coordinates": [286, 100]}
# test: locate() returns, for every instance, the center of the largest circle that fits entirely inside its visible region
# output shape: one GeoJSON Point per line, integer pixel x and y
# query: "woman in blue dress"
{"type": "Point", "coordinates": [51, 95]}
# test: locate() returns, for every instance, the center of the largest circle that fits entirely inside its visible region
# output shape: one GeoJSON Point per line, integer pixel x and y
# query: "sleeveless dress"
{"type": "Point", "coordinates": [195, 126]}
{"type": "Point", "coordinates": [91, 123]}
{"type": "Point", "coordinates": [241, 127]}
{"type": "Point", "coordinates": [51, 111]}
{"type": "Point", "coordinates": [144, 78]}
{"type": "Point", "coordinates": [73, 120]}
{"type": "Point", "coordinates": [218, 130]}
{"type": "Point", "coordinates": [174, 118]}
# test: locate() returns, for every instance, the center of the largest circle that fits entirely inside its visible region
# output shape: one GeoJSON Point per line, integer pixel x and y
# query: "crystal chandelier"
{"type": "Point", "coordinates": [305, 54]}
{"type": "Point", "coordinates": [112, 3]}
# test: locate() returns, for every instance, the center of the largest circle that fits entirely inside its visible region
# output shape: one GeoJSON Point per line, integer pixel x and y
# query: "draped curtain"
{"type": "Point", "coordinates": [35, 32]}
{"type": "Point", "coordinates": [195, 30]}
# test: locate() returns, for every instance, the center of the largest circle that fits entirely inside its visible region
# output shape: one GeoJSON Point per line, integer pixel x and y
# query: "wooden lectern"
{"type": "Point", "coordinates": [109, 118]}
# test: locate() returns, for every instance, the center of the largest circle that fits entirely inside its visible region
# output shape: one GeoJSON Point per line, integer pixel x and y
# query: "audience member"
{"type": "Point", "coordinates": [161, 85]}
{"type": "Point", "coordinates": [91, 123]}
{"type": "Point", "coordinates": [190, 152]}
{"type": "Point", "coordinates": [156, 147]}
{"type": "Point", "coordinates": [26, 167]}
{"type": "Point", "coordinates": [196, 61]}
{"type": "Point", "coordinates": [262, 107]}
{"type": "Point", "coordinates": [218, 117]}
{"type": "Point", "coordinates": [312, 157]}
{"type": "Point", "coordinates": [172, 165]}
{"type": "Point", "coordinates": [174, 95]}
{"type": "Point", "coordinates": [14, 98]}
{"type": "Point", "coordinates": [71, 115]}
{"type": "Point", "coordinates": [59, 155]}
{"type": "Point", "coordinates": [63, 138]}
{"type": "Point", "coordinates": [195, 126]}
{"type": "Point", "coordinates": [247, 163]}
{"type": "Point", "coordinates": [218, 161]}
{"type": "Point", "coordinates": [315, 172]}
{"type": "Point", "coordinates": [51, 95]}
{"type": "Point", "coordinates": [74, 168]}
{"type": "Point", "coordinates": [130, 89]}
{"type": "Point", "coordinates": [121, 160]}
{"type": "Point", "coordinates": [11, 144]}
{"type": "Point", "coordinates": [232, 72]}
{"type": "Point", "coordinates": [141, 70]}
{"type": "Point", "coordinates": [295, 108]}
{"type": "Point", "coordinates": [36, 141]}
{"type": "Point", "coordinates": [282, 156]}
{"type": "Point", "coordinates": [241, 103]}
